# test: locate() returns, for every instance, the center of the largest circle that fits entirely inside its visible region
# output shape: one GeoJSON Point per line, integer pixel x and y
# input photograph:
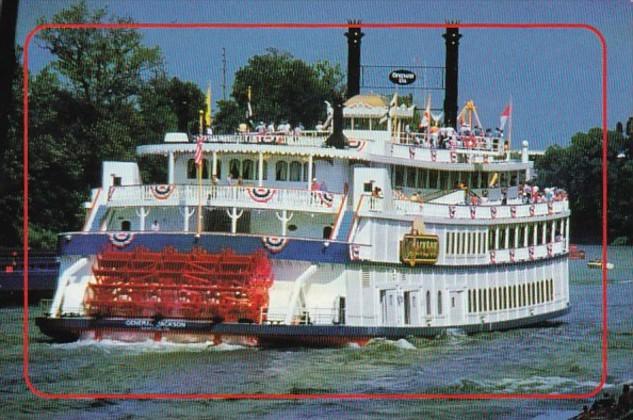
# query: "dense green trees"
{"type": "Point", "coordinates": [578, 169]}
{"type": "Point", "coordinates": [102, 94]}
{"type": "Point", "coordinates": [283, 88]}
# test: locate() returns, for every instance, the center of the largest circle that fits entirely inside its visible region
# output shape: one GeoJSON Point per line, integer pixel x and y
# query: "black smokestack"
{"type": "Point", "coordinates": [337, 139]}
{"type": "Point", "coordinates": [353, 58]}
{"type": "Point", "coordinates": [452, 71]}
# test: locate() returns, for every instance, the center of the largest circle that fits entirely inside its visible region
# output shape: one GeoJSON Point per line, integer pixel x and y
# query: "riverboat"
{"type": "Point", "coordinates": [359, 230]}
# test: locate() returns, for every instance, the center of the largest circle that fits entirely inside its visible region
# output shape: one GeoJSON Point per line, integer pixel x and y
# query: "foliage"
{"type": "Point", "coordinates": [103, 93]}
{"type": "Point", "coordinates": [283, 89]}
{"type": "Point", "coordinates": [578, 169]}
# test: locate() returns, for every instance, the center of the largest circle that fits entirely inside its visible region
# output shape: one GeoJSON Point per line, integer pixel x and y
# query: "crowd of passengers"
{"type": "Point", "coordinates": [449, 138]}
{"type": "Point", "coordinates": [606, 407]}
{"type": "Point", "coordinates": [529, 194]}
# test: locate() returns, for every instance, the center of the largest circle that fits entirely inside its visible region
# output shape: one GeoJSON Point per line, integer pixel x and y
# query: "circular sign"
{"type": "Point", "coordinates": [402, 77]}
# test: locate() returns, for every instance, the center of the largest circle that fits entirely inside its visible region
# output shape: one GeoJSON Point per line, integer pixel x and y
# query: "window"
{"type": "Point", "coordinates": [281, 171]}
{"type": "Point", "coordinates": [433, 178]}
{"type": "Point", "coordinates": [439, 303]}
{"type": "Point", "coordinates": [234, 168]}
{"type": "Point", "coordinates": [126, 225]}
{"type": "Point", "coordinates": [295, 171]}
{"type": "Point", "coordinates": [192, 170]}
{"type": "Point", "coordinates": [248, 169]}
{"type": "Point", "coordinates": [218, 172]}
{"type": "Point", "coordinates": [470, 301]}
{"type": "Point", "coordinates": [399, 178]}
{"type": "Point", "coordinates": [411, 177]}
{"type": "Point", "coordinates": [428, 303]}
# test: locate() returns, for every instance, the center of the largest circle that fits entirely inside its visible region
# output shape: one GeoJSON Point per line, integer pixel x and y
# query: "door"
{"type": "Point", "coordinates": [394, 307]}
{"type": "Point", "coordinates": [411, 308]}
{"type": "Point", "coordinates": [456, 306]}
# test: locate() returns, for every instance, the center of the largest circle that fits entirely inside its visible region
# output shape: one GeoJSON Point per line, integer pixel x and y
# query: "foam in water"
{"type": "Point", "coordinates": [532, 384]}
{"type": "Point", "coordinates": [163, 346]}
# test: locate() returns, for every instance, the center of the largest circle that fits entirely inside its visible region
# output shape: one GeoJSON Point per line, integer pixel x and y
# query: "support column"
{"type": "Point", "coordinates": [497, 237]}
{"type": "Point", "coordinates": [142, 214]}
{"type": "Point", "coordinates": [187, 213]}
{"type": "Point", "coordinates": [260, 169]}
{"type": "Point", "coordinates": [284, 218]}
{"type": "Point", "coordinates": [214, 164]}
{"type": "Point", "coordinates": [170, 168]}
{"type": "Point", "coordinates": [507, 238]}
{"type": "Point", "coordinates": [567, 234]}
{"type": "Point", "coordinates": [477, 250]}
{"type": "Point", "coordinates": [310, 176]}
{"type": "Point", "coordinates": [552, 236]}
{"type": "Point", "coordinates": [234, 215]}
{"type": "Point", "coordinates": [516, 236]}
{"type": "Point", "coordinates": [544, 234]}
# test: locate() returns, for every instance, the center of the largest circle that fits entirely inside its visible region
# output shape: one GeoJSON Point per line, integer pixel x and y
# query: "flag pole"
{"type": "Point", "coordinates": [510, 125]}
{"type": "Point", "coordinates": [199, 176]}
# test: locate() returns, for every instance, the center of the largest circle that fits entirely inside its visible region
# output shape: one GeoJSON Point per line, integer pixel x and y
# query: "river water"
{"type": "Point", "coordinates": [563, 357]}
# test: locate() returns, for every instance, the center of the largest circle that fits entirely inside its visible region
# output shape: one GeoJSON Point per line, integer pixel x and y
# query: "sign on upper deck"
{"type": "Point", "coordinates": [419, 249]}
{"type": "Point", "coordinates": [402, 77]}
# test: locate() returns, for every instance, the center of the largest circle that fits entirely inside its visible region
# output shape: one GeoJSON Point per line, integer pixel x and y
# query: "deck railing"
{"type": "Point", "coordinates": [456, 211]}
{"type": "Point", "coordinates": [224, 196]}
{"type": "Point", "coordinates": [305, 138]}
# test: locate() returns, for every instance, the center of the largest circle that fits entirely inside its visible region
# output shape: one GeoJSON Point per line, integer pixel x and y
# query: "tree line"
{"type": "Point", "coordinates": [104, 92]}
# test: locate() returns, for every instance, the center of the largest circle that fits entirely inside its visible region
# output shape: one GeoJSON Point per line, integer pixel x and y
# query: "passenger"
{"type": "Point", "coordinates": [315, 185]}
{"type": "Point", "coordinates": [319, 126]}
{"type": "Point", "coordinates": [155, 226]}
{"type": "Point", "coordinates": [261, 128]}
{"type": "Point", "coordinates": [271, 128]}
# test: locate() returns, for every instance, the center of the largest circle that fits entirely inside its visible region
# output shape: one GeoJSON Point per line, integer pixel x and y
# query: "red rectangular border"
{"type": "Point", "coordinates": [340, 396]}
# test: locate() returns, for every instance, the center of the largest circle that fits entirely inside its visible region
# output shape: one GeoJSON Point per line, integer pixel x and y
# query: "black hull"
{"type": "Point", "coordinates": [70, 329]}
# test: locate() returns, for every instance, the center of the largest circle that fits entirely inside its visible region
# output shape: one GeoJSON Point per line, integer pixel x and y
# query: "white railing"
{"type": "Point", "coordinates": [431, 154]}
{"type": "Point", "coordinates": [224, 196]}
{"type": "Point", "coordinates": [473, 212]}
{"type": "Point", "coordinates": [305, 138]}
{"type": "Point", "coordinates": [530, 253]}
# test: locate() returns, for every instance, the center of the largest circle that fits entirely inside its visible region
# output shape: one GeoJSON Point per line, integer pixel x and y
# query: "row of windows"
{"type": "Point", "coordinates": [526, 234]}
{"type": "Point", "coordinates": [406, 176]}
{"type": "Point", "coordinates": [510, 297]}
{"type": "Point", "coordinates": [465, 243]}
{"type": "Point", "coordinates": [248, 169]}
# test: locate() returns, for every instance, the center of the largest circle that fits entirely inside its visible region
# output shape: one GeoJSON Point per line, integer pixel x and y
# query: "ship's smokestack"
{"type": "Point", "coordinates": [452, 71]}
{"type": "Point", "coordinates": [353, 58]}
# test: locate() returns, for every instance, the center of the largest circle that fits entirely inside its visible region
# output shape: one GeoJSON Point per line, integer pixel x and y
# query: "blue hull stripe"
{"type": "Point", "coordinates": [296, 249]}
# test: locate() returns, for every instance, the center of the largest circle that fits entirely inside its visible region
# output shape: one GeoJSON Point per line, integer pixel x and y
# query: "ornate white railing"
{"type": "Point", "coordinates": [448, 211]}
{"type": "Point", "coordinates": [224, 196]}
{"type": "Point", "coordinates": [305, 138]}
{"type": "Point", "coordinates": [432, 154]}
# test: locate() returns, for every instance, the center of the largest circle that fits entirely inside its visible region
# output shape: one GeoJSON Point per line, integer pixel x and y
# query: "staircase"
{"type": "Point", "coordinates": [346, 225]}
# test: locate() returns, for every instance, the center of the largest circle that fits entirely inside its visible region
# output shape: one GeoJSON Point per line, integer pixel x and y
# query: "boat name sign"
{"type": "Point", "coordinates": [419, 249]}
{"type": "Point", "coordinates": [402, 77]}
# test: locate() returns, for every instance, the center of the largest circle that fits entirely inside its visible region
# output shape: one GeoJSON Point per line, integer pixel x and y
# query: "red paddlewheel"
{"type": "Point", "coordinates": [171, 284]}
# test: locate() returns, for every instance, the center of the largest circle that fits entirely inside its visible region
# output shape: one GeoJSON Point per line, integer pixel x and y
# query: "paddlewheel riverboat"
{"type": "Point", "coordinates": [364, 228]}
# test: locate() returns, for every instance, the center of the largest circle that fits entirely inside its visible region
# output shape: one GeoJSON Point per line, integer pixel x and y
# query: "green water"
{"type": "Point", "coordinates": [561, 358]}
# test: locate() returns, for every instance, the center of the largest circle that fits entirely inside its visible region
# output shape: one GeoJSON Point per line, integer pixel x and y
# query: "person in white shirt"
{"type": "Point", "coordinates": [155, 226]}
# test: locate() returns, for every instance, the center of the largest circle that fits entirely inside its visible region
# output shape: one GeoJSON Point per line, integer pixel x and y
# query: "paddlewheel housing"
{"type": "Point", "coordinates": [172, 284]}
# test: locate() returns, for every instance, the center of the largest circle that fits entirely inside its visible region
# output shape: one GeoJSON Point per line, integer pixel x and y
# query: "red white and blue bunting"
{"type": "Point", "coordinates": [531, 252]}
{"type": "Point", "coordinates": [274, 244]}
{"type": "Point", "coordinates": [550, 249]}
{"type": "Point", "coordinates": [359, 145]}
{"type": "Point", "coordinates": [411, 152]}
{"type": "Point", "coordinates": [121, 239]}
{"type": "Point", "coordinates": [433, 155]}
{"type": "Point", "coordinates": [513, 211]}
{"type": "Point", "coordinates": [493, 212]}
{"type": "Point", "coordinates": [473, 212]}
{"type": "Point", "coordinates": [162, 192]}
{"type": "Point", "coordinates": [532, 210]}
{"type": "Point", "coordinates": [451, 211]}
{"type": "Point", "coordinates": [493, 257]}
{"type": "Point", "coordinates": [261, 194]}
{"type": "Point", "coordinates": [326, 198]}
{"type": "Point", "coordinates": [511, 253]}
{"type": "Point", "coordinates": [354, 252]}
{"type": "Point", "coordinates": [550, 207]}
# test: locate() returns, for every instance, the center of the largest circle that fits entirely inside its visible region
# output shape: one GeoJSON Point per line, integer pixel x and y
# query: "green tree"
{"type": "Point", "coordinates": [103, 71]}
{"type": "Point", "coordinates": [283, 88]}
{"type": "Point", "coordinates": [578, 169]}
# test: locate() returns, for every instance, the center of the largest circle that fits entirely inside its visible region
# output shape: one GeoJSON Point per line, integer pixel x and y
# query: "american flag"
{"type": "Point", "coordinates": [198, 156]}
